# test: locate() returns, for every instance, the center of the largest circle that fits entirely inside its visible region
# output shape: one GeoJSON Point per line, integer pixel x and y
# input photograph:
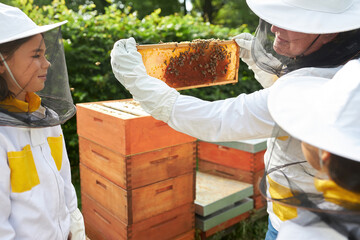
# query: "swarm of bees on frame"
{"type": "Point", "coordinates": [202, 62]}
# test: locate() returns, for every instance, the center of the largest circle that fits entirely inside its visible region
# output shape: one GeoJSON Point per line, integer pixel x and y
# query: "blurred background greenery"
{"type": "Point", "coordinates": [94, 26]}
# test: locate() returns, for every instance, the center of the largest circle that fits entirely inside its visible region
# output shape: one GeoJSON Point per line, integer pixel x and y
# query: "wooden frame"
{"type": "Point", "coordinates": [156, 58]}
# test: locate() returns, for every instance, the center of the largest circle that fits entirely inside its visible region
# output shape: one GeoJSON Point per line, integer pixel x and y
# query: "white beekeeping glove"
{"type": "Point", "coordinates": [77, 227]}
{"type": "Point", "coordinates": [244, 40]}
{"type": "Point", "coordinates": [154, 95]}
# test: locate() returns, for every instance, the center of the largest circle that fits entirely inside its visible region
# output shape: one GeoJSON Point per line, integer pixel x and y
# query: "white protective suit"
{"type": "Point", "coordinates": [310, 226]}
{"type": "Point", "coordinates": [38, 200]}
{"type": "Point", "coordinates": [317, 231]}
{"type": "Point", "coordinates": [233, 119]}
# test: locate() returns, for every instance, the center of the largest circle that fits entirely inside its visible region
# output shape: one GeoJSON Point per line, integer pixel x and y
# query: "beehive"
{"type": "Point", "coordinates": [137, 174]}
{"type": "Point", "coordinates": [199, 63]}
{"type": "Point", "coordinates": [241, 160]}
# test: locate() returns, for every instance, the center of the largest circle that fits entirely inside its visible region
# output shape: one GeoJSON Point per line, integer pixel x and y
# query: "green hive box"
{"type": "Point", "coordinates": [220, 199]}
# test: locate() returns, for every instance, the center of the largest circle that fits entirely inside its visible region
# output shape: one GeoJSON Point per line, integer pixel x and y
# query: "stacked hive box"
{"type": "Point", "coordinates": [137, 174]}
{"type": "Point", "coordinates": [220, 202]}
{"type": "Point", "coordinates": [243, 161]}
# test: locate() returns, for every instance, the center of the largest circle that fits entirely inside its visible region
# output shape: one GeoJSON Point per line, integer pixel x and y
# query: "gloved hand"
{"type": "Point", "coordinates": [77, 227]}
{"type": "Point", "coordinates": [244, 40]}
{"type": "Point", "coordinates": [154, 96]}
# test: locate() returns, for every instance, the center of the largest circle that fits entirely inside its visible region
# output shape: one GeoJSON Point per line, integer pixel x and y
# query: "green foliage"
{"type": "Point", "coordinates": [146, 7]}
{"type": "Point", "coordinates": [230, 13]}
{"type": "Point", "coordinates": [235, 13]}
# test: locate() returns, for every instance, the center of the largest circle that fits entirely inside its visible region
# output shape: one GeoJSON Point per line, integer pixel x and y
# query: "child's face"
{"type": "Point", "coordinates": [28, 66]}
{"type": "Point", "coordinates": [311, 154]}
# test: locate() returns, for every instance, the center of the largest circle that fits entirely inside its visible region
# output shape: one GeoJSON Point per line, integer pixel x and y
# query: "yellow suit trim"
{"type": "Point", "coordinates": [56, 147]}
{"type": "Point", "coordinates": [334, 193]}
{"type": "Point", "coordinates": [31, 104]}
{"type": "Point", "coordinates": [23, 174]}
{"type": "Point", "coordinates": [278, 191]}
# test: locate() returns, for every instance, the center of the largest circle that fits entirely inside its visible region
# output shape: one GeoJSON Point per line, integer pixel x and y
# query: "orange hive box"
{"type": "Point", "coordinates": [199, 63]}
{"type": "Point", "coordinates": [122, 126]}
{"type": "Point", "coordinates": [100, 224]}
{"type": "Point", "coordinates": [138, 170]}
{"type": "Point", "coordinates": [231, 156]}
{"type": "Point", "coordinates": [137, 174]}
{"type": "Point", "coordinates": [136, 205]}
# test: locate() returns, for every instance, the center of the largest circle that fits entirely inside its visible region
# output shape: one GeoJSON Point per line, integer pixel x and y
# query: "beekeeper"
{"type": "Point", "coordinates": [297, 38]}
{"type": "Point", "coordinates": [324, 115]}
{"type": "Point", "coordinates": [38, 200]}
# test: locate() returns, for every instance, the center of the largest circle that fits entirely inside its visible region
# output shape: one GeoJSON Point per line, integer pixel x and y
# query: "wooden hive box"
{"type": "Point", "coordinates": [259, 201]}
{"type": "Point", "coordinates": [135, 205]}
{"type": "Point", "coordinates": [137, 174]}
{"type": "Point", "coordinates": [232, 173]}
{"type": "Point", "coordinates": [243, 155]}
{"type": "Point", "coordinates": [220, 199]}
{"type": "Point", "coordinates": [241, 160]}
{"type": "Point", "coordinates": [134, 171]}
{"type": "Point", "coordinates": [225, 225]}
{"type": "Point", "coordinates": [200, 63]}
{"type": "Point", "coordinates": [122, 127]}
{"type": "Point", "coordinates": [175, 224]}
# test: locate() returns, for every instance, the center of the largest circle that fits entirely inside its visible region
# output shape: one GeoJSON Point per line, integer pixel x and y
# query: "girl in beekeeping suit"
{"type": "Point", "coordinates": [297, 38]}
{"type": "Point", "coordinates": [329, 130]}
{"type": "Point", "coordinates": [38, 200]}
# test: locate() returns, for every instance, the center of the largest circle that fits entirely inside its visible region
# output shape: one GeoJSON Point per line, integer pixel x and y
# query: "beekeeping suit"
{"type": "Point", "coordinates": [323, 114]}
{"type": "Point", "coordinates": [38, 200]}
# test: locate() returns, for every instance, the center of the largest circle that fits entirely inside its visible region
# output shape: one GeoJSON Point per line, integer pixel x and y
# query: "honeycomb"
{"type": "Point", "coordinates": [199, 63]}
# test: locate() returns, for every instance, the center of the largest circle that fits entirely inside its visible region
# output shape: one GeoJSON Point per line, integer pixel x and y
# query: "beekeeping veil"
{"type": "Point", "coordinates": [325, 114]}
{"type": "Point", "coordinates": [306, 16]}
{"type": "Point", "coordinates": [56, 101]}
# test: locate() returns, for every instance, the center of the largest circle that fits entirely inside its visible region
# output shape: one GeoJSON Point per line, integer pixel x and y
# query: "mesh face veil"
{"type": "Point", "coordinates": [290, 181]}
{"type": "Point", "coordinates": [56, 101]}
{"type": "Point", "coordinates": [343, 48]}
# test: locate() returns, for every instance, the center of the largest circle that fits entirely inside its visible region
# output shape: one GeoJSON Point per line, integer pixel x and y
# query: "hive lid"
{"type": "Point", "coordinates": [124, 109]}
{"type": "Point", "coordinates": [214, 193]}
{"type": "Point", "coordinates": [252, 145]}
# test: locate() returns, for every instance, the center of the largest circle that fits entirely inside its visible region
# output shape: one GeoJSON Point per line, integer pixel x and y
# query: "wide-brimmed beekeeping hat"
{"type": "Point", "coordinates": [309, 16]}
{"type": "Point", "coordinates": [14, 24]}
{"type": "Point", "coordinates": [321, 112]}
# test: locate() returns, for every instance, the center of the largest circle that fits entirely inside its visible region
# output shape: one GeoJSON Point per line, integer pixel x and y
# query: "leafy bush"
{"type": "Point", "coordinates": [89, 37]}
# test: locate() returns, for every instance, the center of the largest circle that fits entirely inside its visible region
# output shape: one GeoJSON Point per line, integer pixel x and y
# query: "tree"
{"type": "Point", "coordinates": [145, 7]}
{"type": "Point", "coordinates": [230, 13]}
{"type": "Point", "coordinates": [207, 8]}
{"type": "Point", "coordinates": [74, 4]}
{"type": "Point", "coordinates": [235, 13]}
{"type": "Point", "coordinates": [142, 7]}
{"type": "Point", "coordinates": [184, 7]}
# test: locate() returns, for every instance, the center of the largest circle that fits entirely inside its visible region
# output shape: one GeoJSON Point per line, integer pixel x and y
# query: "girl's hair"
{"type": "Point", "coordinates": [345, 172]}
{"type": "Point", "coordinates": [7, 50]}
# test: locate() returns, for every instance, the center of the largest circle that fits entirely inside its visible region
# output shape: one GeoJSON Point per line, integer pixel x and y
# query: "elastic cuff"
{"type": "Point", "coordinates": [76, 214]}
